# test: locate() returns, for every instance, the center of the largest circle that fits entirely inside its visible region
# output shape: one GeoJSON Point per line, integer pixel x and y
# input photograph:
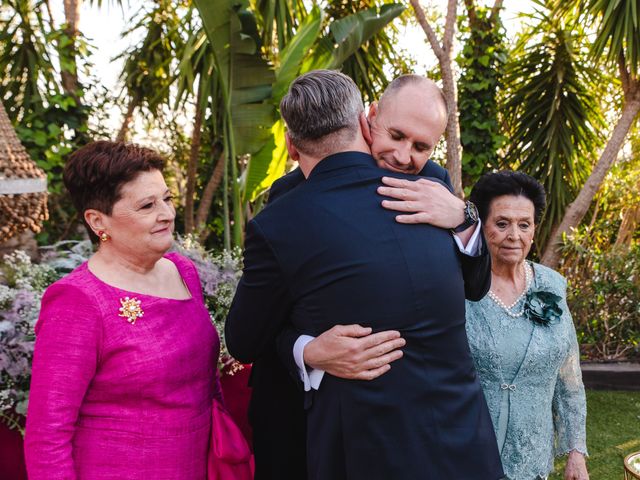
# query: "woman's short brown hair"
{"type": "Point", "coordinates": [94, 174]}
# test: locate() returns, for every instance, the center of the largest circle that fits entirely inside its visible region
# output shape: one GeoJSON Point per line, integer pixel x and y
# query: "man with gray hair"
{"type": "Point", "coordinates": [324, 254]}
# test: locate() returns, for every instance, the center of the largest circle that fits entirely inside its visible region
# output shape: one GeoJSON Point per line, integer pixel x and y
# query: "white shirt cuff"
{"type": "Point", "coordinates": [311, 377]}
{"type": "Point", "coordinates": [474, 245]}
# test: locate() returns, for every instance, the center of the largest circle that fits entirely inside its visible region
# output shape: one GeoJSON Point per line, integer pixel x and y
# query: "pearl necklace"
{"type": "Point", "coordinates": [507, 308]}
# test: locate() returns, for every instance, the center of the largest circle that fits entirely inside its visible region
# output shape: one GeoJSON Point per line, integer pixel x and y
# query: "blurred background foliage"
{"type": "Point", "coordinates": [202, 80]}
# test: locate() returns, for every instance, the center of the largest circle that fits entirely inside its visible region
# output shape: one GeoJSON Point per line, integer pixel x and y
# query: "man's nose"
{"type": "Point", "coordinates": [403, 154]}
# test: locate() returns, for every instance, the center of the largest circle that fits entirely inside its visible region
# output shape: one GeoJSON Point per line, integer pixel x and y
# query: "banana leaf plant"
{"type": "Point", "coordinates": [251, 87]}
{"type": "Point", "coordinates": [309, 50]}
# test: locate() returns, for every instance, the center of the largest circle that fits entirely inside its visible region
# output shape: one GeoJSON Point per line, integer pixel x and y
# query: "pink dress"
{"type": "Point", "coordinates": [115, 400]}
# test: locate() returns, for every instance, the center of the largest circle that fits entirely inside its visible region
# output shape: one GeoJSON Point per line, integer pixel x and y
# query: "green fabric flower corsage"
{"type": "Point", "coordinates": [543, 308]}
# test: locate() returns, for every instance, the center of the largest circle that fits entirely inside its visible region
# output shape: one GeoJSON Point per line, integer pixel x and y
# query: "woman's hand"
{"type": "Point", "coordinates": [576, 468]}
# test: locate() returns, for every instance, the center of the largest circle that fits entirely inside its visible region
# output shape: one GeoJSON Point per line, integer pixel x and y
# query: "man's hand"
{"type": "Point", "coordinates": [576, 468]}
{"type": "Point", "coordinates": [427, 201]}
{"type": "Point", "coordinates": [430, 202]}
{"type": "Point", "coordinates": [352, 352]}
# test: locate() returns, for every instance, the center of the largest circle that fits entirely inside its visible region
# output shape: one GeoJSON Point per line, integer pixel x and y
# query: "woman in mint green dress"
{"type": "Point", "coordinates": [523, 340]}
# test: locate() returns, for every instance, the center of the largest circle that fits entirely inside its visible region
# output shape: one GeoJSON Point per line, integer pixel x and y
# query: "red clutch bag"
{"type": "Point", "coordinates": [230, 457]}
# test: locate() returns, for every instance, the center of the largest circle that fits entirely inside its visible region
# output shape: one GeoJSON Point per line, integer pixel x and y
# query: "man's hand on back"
{"type": "Point", "coordinates": [424, 201]}
{"type": "Point", "coordinates": [353, 352]}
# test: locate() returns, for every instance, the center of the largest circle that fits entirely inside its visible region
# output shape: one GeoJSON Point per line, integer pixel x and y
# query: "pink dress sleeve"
{"type": "Point", "coordinates": [68, 338]}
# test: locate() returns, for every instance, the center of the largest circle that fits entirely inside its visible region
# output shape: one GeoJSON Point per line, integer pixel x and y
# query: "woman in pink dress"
{"type": "Point", "coordinates": [124, 370]}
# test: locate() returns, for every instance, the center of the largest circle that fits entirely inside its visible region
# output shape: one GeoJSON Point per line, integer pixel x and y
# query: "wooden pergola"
{"type": "Point", "coordinates": [23, 186]}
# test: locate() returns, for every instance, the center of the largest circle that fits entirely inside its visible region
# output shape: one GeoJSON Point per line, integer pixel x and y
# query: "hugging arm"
{"type": "Point", "coordinates": [476, 270]}
{"type": "Point", "coordinates": [349, 351]}
{"type": "Point", "coordinates": [261, 304]}
{"type": "Point", "coordinates": [346, 351]}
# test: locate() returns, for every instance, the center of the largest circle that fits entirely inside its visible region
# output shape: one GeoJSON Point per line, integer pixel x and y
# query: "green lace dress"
{"type": "Point", "coordinates": [531, 379]}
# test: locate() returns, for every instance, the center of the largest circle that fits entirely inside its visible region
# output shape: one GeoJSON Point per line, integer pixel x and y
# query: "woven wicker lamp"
{"type": "Point", "coordinates": [23, 186]}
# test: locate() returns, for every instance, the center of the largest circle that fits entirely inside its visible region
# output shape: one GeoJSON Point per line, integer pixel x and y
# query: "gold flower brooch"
{"type": "Point", "coordinates": [130, 309]}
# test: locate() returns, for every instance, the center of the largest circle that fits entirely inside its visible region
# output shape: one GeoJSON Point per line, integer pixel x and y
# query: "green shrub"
{"type": "Point", "coordinates": [604, 298]}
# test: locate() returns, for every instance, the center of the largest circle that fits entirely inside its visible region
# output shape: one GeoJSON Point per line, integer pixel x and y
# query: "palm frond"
{"type": "Point", "coordinates": [552, 111]}
{"type": "Point", "coordinates": [26, 68]}
{"type": "Point", "coordinates": [618, 32]}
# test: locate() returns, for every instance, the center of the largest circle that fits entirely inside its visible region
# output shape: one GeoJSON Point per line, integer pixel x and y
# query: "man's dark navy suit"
{"type": "Point", "coordinates": [327, 253]}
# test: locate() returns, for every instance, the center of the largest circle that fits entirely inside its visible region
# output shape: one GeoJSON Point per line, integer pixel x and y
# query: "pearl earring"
{"type": "Point", "coordinates": [104, 236]}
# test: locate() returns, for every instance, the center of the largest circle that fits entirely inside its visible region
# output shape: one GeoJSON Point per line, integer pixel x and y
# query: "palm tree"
{"type": "Point", "coordinates": [68, 70]}
{"type": "Point", "coordinates": [630, 220]}
{"type": "Point", "coordinates": [26, 69]}
{"type": "Point", "coordinates": [617, 45]}
{"type": "Point", "coordinates": [366, 66]}
{"type": "Point", "coordinates": [196, 81]}
{"type": "Point", "coordinates": [148, 68]}
{"type": "Point", "coordinates": [48, 120]}
{"type": "Point", "coordinates": [277, 22]}
{"type": "Point", "coordinates": [552, 107]}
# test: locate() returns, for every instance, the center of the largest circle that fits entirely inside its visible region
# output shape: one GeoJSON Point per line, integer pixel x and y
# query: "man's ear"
{"type": "Point", "coordinates": [365, 128]}
{"type": "Point", "coordinates": [96, 220]}
{"type": "Point", "coordinates": [291, 148]}
{"type": "Point", "coordinates": [373, 112]}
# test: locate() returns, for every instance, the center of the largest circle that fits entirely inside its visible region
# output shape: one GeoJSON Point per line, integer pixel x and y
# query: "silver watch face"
{"type": "Point", "coordinates": [470, 217]}
{"type": "Point", "coordinates": [471, 212]}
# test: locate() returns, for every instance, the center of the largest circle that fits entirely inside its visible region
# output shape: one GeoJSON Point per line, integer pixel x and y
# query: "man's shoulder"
{"type": "Point", "coordinates": [414, 177]}
{"type": "Point", "coordinates": [293, 196]}
{"type": "Point", "coordinates": [294, 177]}
{"type": "Point", "coordinates": [283, 197]}
{"type": "Point", "coordinates": [432, 169]}
{"type": "Point", "coordinates": [285, 184]}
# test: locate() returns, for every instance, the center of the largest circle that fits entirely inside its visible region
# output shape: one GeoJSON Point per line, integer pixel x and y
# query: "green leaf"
{"type": "Point", "coordinates": [245, 78]}
{"type": "Point", "coordinates": [348, 34]}
{"type": "Point", "coordinates": [54, 130]}
{"type": "Point", "coordinates": [295, 51]}
{"type": "Point", "coordinates": [244, 81]}
{"type": "Point", "coordinates": [618, 32]}
{"type": "Point", "coordinates": [251, 126]}
{"type": "Point", "coordinates": [266, 166]}
{"type": "Point", "coordinates": [351, 32]}
{"type": "Point", "coordinates": [40, 138]}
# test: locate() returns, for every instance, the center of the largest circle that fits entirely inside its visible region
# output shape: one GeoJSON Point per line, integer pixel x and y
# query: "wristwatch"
{"type": "Point", "coordinates": [470, 217]}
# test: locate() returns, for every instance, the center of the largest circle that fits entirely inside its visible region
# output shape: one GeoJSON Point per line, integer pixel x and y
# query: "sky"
{"type": "Point", "coordinates": [103, 28]}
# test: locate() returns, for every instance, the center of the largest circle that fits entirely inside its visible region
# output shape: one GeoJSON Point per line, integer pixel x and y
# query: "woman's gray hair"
{"type": "Point", "coordinates": [318, 104]}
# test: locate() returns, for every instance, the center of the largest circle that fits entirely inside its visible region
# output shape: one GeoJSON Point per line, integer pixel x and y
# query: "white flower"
{"type": "Point", "coordinates": [5, 326]}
